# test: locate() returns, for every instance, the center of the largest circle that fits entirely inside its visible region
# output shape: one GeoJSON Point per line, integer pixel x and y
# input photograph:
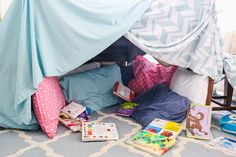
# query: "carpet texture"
{"type": "Point", "coordinates": [16, 143]}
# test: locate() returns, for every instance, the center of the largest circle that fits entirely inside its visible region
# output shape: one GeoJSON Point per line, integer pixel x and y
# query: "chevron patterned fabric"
{"type": "Point", "coordinates": [184, 33]}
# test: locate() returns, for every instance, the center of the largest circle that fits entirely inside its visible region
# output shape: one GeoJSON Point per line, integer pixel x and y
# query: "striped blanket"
{"type": "Point", "coordinates": [185, 33]}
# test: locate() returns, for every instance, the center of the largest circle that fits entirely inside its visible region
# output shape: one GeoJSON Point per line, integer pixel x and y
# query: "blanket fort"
{"type": "Point", "coordinates": [50, 38]}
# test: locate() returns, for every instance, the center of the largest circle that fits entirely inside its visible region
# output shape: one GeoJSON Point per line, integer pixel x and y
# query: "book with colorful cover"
{"type": "Point", "coordinates": [165, 128]}
{"type": "Point", "coordinates": [73, 109]}
{"type": "Point", "coordinates": [151, 142]}
{"type": "Point", "coordinates": [73, 124]}
{"type": "Point", "coordinates": [198, 122]}
{"type": "Point", "coordinates": [96, 131]}
{"type": "Point", "coordinates": [127, 109]}
{"type": "Point", "coordinates": [225, 144]}
{"type": "Point", "coordinates": [123, 92]}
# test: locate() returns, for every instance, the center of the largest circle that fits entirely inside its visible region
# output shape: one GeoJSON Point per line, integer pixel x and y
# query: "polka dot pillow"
{"type": "Point", "coordinates": [47, 103]}
{"type": "Point", "coordinates": [147, 74]}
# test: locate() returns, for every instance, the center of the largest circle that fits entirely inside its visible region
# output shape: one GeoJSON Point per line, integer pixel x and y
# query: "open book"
{"type": "Point", "coordinates": [73, 109]}
{"type": "Point", "coordinates": [73, 124]}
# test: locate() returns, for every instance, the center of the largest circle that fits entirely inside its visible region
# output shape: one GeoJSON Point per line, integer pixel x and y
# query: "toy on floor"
{"type": "Point", "coordinates": [228, 123]}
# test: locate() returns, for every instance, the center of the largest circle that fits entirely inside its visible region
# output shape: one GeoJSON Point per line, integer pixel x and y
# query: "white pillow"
{"type": "Point", "coordinates": [190, 85]}
{"type": "Point", "coordinates": [150, 58]}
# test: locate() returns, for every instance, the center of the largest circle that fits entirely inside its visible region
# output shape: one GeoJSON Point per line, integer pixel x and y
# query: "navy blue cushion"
{"type": "Point", "coordinates": [160, 102]}
{"type": "Point", "coordinates": [127, 74]}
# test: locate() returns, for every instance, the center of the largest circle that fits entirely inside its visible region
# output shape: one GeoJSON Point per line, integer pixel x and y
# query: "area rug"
{"type": "Point", "coordinates": [17, 143]}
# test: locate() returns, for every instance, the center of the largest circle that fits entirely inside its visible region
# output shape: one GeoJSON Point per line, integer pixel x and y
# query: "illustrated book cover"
{"type": "Point", "coordinates": [127, 109]}
{"type": "Point", "coordinates": [96, 131]}
{"type": "Point", "coordinates": [73, 124]}
{"type": "Point", "coordinates": [123, 92]}
{"type": "Point", "coordinates": [165, 128]}
{"type": "Point", "coordinates": [73, 109]}
{"type": "Point", "coordinates": [198, 122]}
{"type": "Point", "coordinates": [151, 142]}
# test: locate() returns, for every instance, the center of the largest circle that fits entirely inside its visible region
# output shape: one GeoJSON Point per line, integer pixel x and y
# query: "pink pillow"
{"type": "Point", "coordinates": [47, 103]}
{"type": "Point", "coordinates": [147, 74]}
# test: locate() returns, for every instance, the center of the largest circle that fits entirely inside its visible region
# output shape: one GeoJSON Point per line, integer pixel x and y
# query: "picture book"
{"type": "Point", "coordinates": [73, 109]}
{"type": "Point", "coordinates": [73, 124]}
{"type": "Point", "coordinates": [95, 131]}
{"type": "Point", "coordinates": [151, 142]}
{"type": "Point", "coordinates": [126, 109]}
{"type": "Point", "coordinates": [198, 121]}
{"type": "Point", "coordinates": [123, 92]}
{"type": "Point", "coordinates": [165, 128]}
{"type": "Point", "coordinates": [225, 144]}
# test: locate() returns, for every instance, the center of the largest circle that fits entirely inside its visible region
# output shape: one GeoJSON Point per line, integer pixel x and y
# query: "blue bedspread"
{"type": "Point", "coordinates": [41, 38]}
{"type": "Point", "coordinates": [160, 102]}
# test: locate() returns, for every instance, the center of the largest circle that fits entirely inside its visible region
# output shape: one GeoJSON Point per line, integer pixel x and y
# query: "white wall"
{"type": "Point", "coordinates": [226, 15]}
{"type": "Point", "coordinates": [4, 5]}
{"type": "Point", "coordinates": [0, 9]}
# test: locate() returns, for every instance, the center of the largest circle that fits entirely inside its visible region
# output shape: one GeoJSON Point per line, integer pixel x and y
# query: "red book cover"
{"type": "Point", "coordinates": [123, 92]}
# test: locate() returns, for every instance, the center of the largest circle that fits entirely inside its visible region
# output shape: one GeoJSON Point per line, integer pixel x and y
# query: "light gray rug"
{"type": "Point", "coordinates": [16, 143]}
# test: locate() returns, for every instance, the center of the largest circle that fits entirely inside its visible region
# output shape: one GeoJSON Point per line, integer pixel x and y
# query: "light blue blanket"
{"type": "Point", "coordinates": [41, 38]}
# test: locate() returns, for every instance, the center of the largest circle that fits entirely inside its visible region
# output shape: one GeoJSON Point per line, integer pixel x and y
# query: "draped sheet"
{"type": "Point", "coordinates": [41, 38]}
{"type": "Point", "coordinates": [185, 33]}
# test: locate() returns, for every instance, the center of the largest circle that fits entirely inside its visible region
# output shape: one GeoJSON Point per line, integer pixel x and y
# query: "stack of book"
{"type": "Point", "coordinates": [158, 137]}
{"type": "Point", "coordinates": [127, 108]}
{"type": "Point", "coordinates": [73, 115]}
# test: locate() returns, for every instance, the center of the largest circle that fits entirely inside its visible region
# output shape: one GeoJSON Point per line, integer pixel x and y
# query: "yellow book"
{"type": "Point", "coordinates": [165, 128]}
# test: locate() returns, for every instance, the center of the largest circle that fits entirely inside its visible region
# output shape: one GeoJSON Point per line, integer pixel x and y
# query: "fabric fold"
{"type": "Point", "coordinates": [50, 38]}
